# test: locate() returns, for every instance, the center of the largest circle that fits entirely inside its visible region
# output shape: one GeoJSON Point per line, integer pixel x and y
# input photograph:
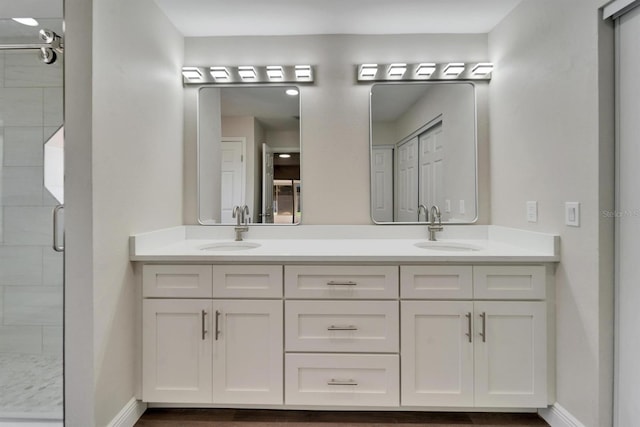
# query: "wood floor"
{"type": "Point", "coordinates": [157, 417]}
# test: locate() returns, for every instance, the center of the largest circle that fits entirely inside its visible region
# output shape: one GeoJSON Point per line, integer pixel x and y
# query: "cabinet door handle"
{"type": "Point", "coordinates": [483, 334]}
{"type": "Point", "coordinates": [469, 332]}
{"type": "Point", "coordinates": [344, 283]}
{"type": "Point", "coordinates": [342, 328]}
{"type": "Point", "coordinates": [342, 382]}
{"type": "Point", "coordinates": [56, 239]}
{"type": "Point", "coordinates": [204, 329]}
{"type": "Point", "coordinates": [217, 332]}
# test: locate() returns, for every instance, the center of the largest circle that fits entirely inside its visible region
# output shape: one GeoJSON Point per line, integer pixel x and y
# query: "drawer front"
{"type": "Point", "coordinates": [342, 326]}
{"type": "Point", "coordinates": [247, 281]}
{"type": "Point", "coordinates": [436, 282]}
{"type": "Point", "coordinates": [176, 281]}
{"type": "Point", "coordinates": [342, 380]}
{"type": "Point", "coordinates": [341, 282]}
{"type": "Point", "coordinates": [509, 282]}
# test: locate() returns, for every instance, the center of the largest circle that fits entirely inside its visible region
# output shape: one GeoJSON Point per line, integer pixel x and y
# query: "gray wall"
{"type": "Point", "coordinates": [552, 141]}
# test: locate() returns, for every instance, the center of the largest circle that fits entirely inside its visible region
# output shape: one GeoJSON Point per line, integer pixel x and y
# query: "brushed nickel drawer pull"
{"type": "Point", "coordinates": [345, 283]}
{"type": "Point", "coordinates": [342, 382]}
{"type": "Point", "coordinates": [483, 334]}
{"type": "Point", "coordinates": [469, 334]}
{"type": "Point", "coordinates": [204, 330]}
{"type": "Point", "coordinates": [217, 320]}
{"type": "Point", "coordinates": [342, 328]}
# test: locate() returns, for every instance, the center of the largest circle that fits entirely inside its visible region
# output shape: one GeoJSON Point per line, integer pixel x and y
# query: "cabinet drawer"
{"type": "Point", "coordinates": [436, 282]}
{"type": "Point", "coordinates": [342, 380]}
{"type": "Point", "coordinates": [176, 281]}
{"type": "Point", "coordinates": [509, 282]}
{"type": "Point", "coordinates": [247, 281]}
{"type": "Point", "coordinates": [342, 326]}
{"type": "Point", "coordinates": [341, 282]}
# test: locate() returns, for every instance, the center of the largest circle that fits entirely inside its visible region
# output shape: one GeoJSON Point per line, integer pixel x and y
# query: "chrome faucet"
{"type": "Point", "coordinates": [432, 227]}
{"type": "Point", "coordinates": [421, 208]}
{"type": "Point", "coordinates": [242, 221]}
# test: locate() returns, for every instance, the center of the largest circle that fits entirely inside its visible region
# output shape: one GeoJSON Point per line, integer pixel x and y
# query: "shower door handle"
{"type": "Point", "coordinates": [56, 214]}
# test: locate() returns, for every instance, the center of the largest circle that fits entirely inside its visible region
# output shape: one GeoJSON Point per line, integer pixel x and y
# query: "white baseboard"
{"type": "Point", "coordinates": [557, 416]}
{"type": "Point", "coordinates": [128, 415]}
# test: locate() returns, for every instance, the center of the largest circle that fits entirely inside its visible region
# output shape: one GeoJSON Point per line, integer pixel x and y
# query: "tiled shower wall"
{"type": "Point", "coordinates": [31, 275]}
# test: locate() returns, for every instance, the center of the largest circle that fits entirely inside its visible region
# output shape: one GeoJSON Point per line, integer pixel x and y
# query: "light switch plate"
{"type": "Point", "coordinates": [532, 211]}
{"type": "Point", "coordinates": [447, 206]}
{"type": "Point", "coordinates": [572, 214]}
{"type": "Point", "coordinates": [462, 208]}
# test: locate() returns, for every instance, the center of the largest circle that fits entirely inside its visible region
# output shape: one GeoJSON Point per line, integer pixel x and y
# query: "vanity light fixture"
{"type": "Point", "coordinates": [454, 69]}
{"type": "Point", "coordinates": [274, 72]}
{"type": "Point", "coordinates": [424, 71]}
{"type": "Point", "coordinates": [26, 21]}
{"type": "Point", "coordinates": [292, 92]}
{"type": "Point", "coordinates": [191, 73]}
{"type": "Point", "coordinates": [482, 69]}
{"type": "Point", "coordinates": [219, 73]}
{"type": "Point", "coordinates": [247, 74]}
{"type": "Point", "coordinates": [397, 70]}
{"type": "Point", "coordinates": [284, 156]}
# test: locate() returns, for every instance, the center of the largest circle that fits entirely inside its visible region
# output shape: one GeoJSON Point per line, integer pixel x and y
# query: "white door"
{"type": "Point", "coordinates": [382, 184]}
{"type": "Point", "coordinates": [248, 352]}
{"type": "Point", "coordinates": [407, 183]}
{"type": "Point", "coordinates": [627, 379]}
{"type": "Point", "coordinates": [176, 350]}
{"type": "Point", "coordinates": [437, 353]}
{"type": "Point", "coordinates": [431, 169]}
{"type": "Point", "coordinates": [232, 177]}
{"type": "Point", "coordinates": [510, 354]}
{"type": "Point", "coordinates": [267, 185]}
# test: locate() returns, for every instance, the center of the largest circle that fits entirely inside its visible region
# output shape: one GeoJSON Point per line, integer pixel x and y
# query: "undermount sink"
{"type": "Point", "coordinates": [447, 246]}
{"type": "Point", "coordinates": [230, 246]}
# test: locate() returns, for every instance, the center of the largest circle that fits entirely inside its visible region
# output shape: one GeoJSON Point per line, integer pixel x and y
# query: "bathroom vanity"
{"type": "Point", "coordinates": [349, 317]}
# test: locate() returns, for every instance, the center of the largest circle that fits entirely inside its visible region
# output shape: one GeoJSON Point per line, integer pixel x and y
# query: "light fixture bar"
{"type": "Point", "coordinates": [248, 74]}
{"type": "Point", "coordinates": [424, 71]}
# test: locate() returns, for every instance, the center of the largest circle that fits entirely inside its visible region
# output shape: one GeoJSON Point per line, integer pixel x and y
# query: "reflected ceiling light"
{"type": "Point", "coordinates": [368, 70]}
{"type": "Point", "coordinates": [397, 70]}
{"type": "Point", "coordinates": [247, 73]}
{"type": "Point", "coordinates": [303, 71]}
{"type": "Point", "coordinates": [219, 73]}
{"type": "Point", "coordinates": [425, 69]}
{"type": "Point", "coordinates": [292, 92]}
{"type": "Point", "coordinates": [482, 69]}
{"type": "Point", "coordinates": [284, 156]}
{"type": "Point", "coordinates": [454, 69]}
{"type": "Point", "coordinates": [191, 73]}
{"type": "Point", "coordinates": [275, 72]}
{"type": "Point", "coordinates": [26, 21]}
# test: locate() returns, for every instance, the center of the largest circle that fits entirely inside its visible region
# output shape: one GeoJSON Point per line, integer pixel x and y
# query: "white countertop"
{"type": "Point", "coordinates": [344, 243]}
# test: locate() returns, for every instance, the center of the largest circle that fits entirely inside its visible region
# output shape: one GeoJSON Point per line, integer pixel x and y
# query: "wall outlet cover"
{"type": "Point", "coordinates": [462, 208]}
{"type": "Point", "coordinates": [572, 214]}
{"type": "Point", "coordinates": [532, 211]}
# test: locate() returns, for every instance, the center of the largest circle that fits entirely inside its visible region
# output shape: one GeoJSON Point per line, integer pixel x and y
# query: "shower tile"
{"type": "Point", "coordinates": [23, 146]}
{"type": "Point", "coordinates": [52, 340]}
{"type": "Point", "coordinates": [21, 186]}
{"type": "Point", "coordinates": [21, 339]}
{"type": "Point", "coordinates": [27, 225]}
{"type": "Point", "coordinates": [53, 106]}
{"type": "Point", "coordinates": [20, 265]}
{"type": "Point", "coordinates": [21, 107]}
{"type": "Point", "coordinates": [33, 305]}
{"type": "Point", "coordinates": [52, 267]}
{"type": "Point", "coordinates": [27, 70]}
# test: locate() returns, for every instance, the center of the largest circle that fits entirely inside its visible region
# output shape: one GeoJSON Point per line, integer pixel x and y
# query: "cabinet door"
{"type": "Point", "coordinates": [176, 351]}
{"type": "Point", "coordinates": [437, 353]}
{"type": "Point", "coordinates": [510, 354]}
{"type": "Point", "coordinates": [247, 351]}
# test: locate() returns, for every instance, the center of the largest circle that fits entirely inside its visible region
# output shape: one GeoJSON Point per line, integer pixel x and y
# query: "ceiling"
{"type": "Point", "coordinates": [198, 18]}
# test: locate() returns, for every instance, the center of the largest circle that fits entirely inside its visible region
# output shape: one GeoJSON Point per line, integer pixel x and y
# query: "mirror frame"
{"type": "Point", "coordinates": [415, 133]}
{"type": "Point", "coordinates": [205, 222]}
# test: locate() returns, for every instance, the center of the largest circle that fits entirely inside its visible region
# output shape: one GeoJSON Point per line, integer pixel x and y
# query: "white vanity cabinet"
{"type": "Point", "coordinates": [201, 348]}
{"type": "Point", "coordinates": [474, 353]}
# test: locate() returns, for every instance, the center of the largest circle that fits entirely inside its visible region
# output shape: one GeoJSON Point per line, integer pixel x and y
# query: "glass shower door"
{"type": "Point", "coordinates": [31, 272]}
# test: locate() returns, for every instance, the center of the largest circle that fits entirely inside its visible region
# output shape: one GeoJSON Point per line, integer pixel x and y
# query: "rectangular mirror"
{"type": "Point", "coordinates": [423, 151]}
{"type": "Point", "coordinates": [249, 154]}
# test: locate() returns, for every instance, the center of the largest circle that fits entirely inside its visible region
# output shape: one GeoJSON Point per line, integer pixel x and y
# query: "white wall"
{"type": "Point", "coordinates": [124, 176]}
{"type": "Point", "coordinates": [335, 110]}
{"type": "Point", "coordinates": [552, 141]}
